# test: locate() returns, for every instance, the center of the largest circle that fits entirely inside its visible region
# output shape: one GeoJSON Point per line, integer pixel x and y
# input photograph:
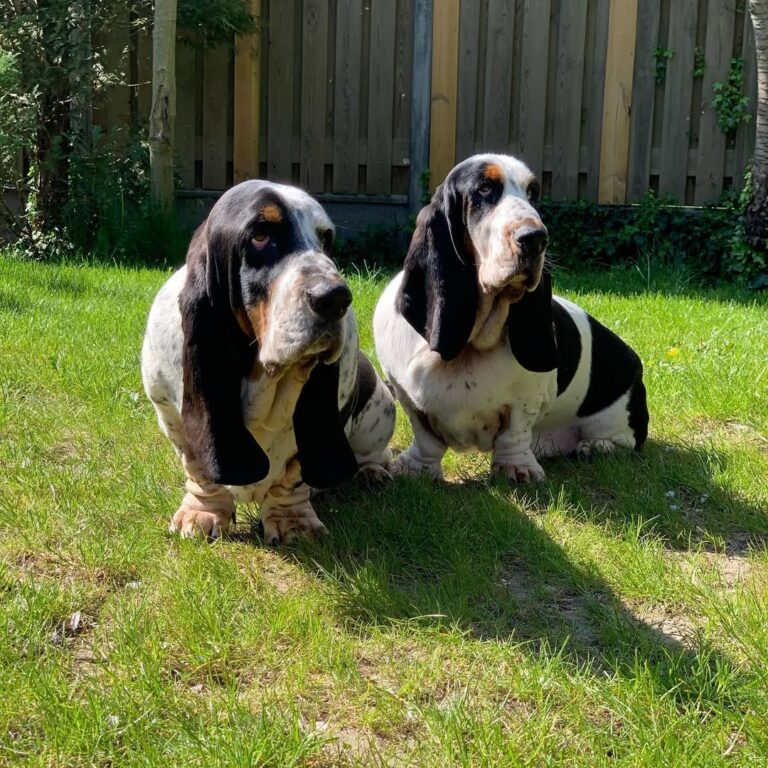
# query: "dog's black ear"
{"type": "Point", "coordinates": [438, 296]}
{"type": "Point", "coordinates": [216, 355]}
{"type": "Point", "coordinates": [324, 453]}
{"type": "Point", "coordinates": [531, 329]}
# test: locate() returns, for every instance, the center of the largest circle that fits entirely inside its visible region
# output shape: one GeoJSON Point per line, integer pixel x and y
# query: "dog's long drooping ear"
{"type": "Point", "coordinates": [217, 354]}
{"type": "Point", "coordinates": [324, 453]}
{"type": "Point", "coordinates": [438, 296]}
{"type": "Point", "coordinates": [531, 330]}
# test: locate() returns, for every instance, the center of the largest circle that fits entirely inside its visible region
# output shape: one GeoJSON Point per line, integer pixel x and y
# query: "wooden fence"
{"type": "Point", "coordinates": [603, 98]}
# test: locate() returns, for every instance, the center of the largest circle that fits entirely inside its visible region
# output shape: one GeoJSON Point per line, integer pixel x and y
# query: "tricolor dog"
{"type": "Point", "coordinates": [252, 363]}
{"type": "Point", "coordinates": [481, 355]}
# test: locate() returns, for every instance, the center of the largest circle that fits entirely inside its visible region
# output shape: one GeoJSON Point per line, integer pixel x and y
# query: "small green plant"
{"type": "Point", "coordinates": [729, 101]}
{"type": "Point", "coordinates": [699, 62]}
{"type": "Point", "coordinates": [424, 180]}
{"type": "Point", "coordinates": [662, 56]}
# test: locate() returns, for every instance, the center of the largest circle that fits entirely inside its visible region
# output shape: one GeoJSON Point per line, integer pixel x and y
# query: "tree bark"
{"type": "Point", "coordinates": [756, 215]}
{"type": "Point", "coordinates": [163, 115]}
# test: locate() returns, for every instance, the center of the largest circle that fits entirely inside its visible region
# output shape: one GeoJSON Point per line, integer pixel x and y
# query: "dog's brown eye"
{"type": "Point", "coordinates": [260, 239]}
{"type": "Point", "coordinates": [484, 190]}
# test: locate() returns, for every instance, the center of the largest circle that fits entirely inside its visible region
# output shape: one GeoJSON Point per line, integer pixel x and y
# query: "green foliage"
{"type": "Point", "coordinates": [209, 23]}
{"type": "Point", "coordinates": [708, 240]}
{"type": "Point", "coordinates": [699, 62]}
{"type": "Point", "coordinates": [662, 57]}
{"type": "Point", "coordinates": [729, 101]}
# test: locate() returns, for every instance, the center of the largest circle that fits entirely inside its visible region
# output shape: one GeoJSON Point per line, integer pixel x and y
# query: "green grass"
{"type": "Point", "coordinates": [615, 615]}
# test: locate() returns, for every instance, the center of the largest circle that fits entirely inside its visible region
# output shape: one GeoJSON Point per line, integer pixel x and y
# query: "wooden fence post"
{"type": "Point", "coordinates": [421, 77]}
{"type": "Point", "coordinates": [619, 70]}
{"type": "Point", "coordinates": [247, 102]}
{"type": "Point", "coordinates": [445, 84]}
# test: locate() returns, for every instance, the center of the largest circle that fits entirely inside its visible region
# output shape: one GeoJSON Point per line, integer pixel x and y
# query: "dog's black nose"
{"type": "Point", "coordinates": [330, 302]}
{"type": "Point", "coordinates": [532, 241]}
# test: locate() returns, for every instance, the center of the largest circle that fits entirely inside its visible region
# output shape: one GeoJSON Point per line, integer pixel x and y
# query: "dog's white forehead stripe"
{"type": "Point", "coordinates": [309, 212]}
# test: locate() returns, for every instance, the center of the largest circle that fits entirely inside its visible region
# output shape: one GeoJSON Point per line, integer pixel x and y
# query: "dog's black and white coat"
{"type": "Point", "coordinates": [251, 360]}
{"type": "Point", "coordinates": [479, 352]}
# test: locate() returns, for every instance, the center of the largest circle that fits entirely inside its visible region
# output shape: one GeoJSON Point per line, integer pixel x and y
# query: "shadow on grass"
{"type": "Point", "coordinates": [474, 556]}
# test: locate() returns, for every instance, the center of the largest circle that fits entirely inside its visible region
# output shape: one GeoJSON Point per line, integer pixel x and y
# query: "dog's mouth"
{"type": "Point", "coordinates": [326, 349]}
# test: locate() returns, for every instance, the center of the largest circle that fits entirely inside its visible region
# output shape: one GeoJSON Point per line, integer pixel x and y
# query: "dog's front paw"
{"type": "Point", "coordinates": [518, 469]}
{"type": "Point", "coordinates": [191, 522]}
{"type": "Point", "coordinates": [405, 464]}
{"type": "Point", "coordinates": [282, 524]}
{"type": "Point", "coordinates": [375, 475]}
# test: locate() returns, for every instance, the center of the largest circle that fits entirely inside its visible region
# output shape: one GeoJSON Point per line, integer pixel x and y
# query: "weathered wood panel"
{"type": "Point", "coordinates": [380, 103]}
{"type": "Point", "coordinates": [282, 19]}
{"type": "Point", "coordinates": [346, 122]}
{"type": "Point", "coordinates": [710, 163]}
{"type": "Point", "coordinates": [247, 103]}
{"type": "Point", "coordinates": [466, 98]}
{"type": "Point", "coordinates": [186, 107]}
{"type": "Point", "coordinates": [570, 73]}
{"type": "Point", "coordinates": [314, 75]}
{"type": "Point", "coordinates": [614, 157]}
{"type": "Point", "coordinates": [497, 104]}
{"type": "Point", "coordinates": [445, 62]}
{"type": "Point", "coordinates": [215, 107]}
{"type": "Point", "coordinates": [677, 99]}
{"type": "Point", "coordinates": [745, 135]}
{"type": "Point", "coordinates": [642, 103]}
{"type": "Point", "coordinates": [533, 86]}
{"type": "Point", "coordinates": [594, 88]}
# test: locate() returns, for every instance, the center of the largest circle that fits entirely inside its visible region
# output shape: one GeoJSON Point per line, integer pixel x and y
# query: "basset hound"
{"type": "Point", "coordinates": [251, 360]}
{"type": "Point", "coordinates": [481, 355]}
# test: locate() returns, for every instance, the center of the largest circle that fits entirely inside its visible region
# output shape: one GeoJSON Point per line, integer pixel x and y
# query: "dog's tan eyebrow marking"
{"type": "Point", "coordinates": [493, 172]}
{"type": "Point", "coordinates": [271, 213]}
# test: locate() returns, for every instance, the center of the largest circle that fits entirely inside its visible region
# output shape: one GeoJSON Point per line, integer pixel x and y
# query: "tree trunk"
{"type": "Point", "coordinates": [163, 115]}
{"type": "Point", "coordinates": [756, 216]}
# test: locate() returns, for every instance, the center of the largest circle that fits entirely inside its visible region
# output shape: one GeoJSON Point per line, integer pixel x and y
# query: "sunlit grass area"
{"type": "Point", "coordinates": [614, 615]}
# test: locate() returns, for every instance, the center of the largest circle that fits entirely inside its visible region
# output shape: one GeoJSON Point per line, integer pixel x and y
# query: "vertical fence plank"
{"type": "Point", "coordinates": [677, 100]}
{"type": "Point", "coordinates": [533, 86]}
{"type": "Point", "coordinates": [643, 94]}
{"type": "Point", "coordinates": [346, 114]}
{"type": "Point", "coordinates": [614, 155]}
{"type": "Point", "coordinates": [114, 110]}
{"type": "Point", "coordinates": [745, 135]}
{"type": "Point", "coordinates": [282, 18]}
{"type": "Point", "coordinates": [380, 85]}
{"type": "Point", "coordinates": [401, 109]}
{"type": "Point", "coordinates": [597, 51]}
{"type": "Point", "coordinates": [466, 100]}
{"type": "Point", "coordinates": [314, 74]}
{"type": "Point", "coordinates": [420, 100]}
{"type": "Point", "coordinates": [215, 101]}
{"type": "Point", "coordinates": [186, 88]}
{"type": "Point", "coordinates": [445, 70]}
{"type": "Point", "coordinates": [570, 73]}
{"type": "Point", "coordinates": [710, 156]}
{"type": "Point", "coordinates": [247, 103]}
{"type": "Point", "coordinates": [497, 104]}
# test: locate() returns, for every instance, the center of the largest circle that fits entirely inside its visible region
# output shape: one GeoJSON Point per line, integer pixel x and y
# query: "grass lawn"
{"type": "Point", "coordinates": [615, 615]}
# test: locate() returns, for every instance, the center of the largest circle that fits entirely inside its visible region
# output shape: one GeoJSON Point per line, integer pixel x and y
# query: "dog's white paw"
{"type": "Point", "coordinates": [518, 469]}
{"type": "Point", "coordinates": [595, 446]}
{"type": "Point", "coordinates": [286, 524]}
{"type": "Point", "coordinates": [191, 522]}
{"type": "Point", "coordinates": [405, 464]}
{"type": "Point", "coordinates": [376, 474]}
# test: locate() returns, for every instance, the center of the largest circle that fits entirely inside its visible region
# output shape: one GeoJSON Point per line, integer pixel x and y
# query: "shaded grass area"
{"type": "Point", "coordinates": [613, 615]}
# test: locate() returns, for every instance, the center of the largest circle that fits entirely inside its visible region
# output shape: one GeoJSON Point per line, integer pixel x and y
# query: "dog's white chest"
{"type": "Point", "coordinates": [468, 399]}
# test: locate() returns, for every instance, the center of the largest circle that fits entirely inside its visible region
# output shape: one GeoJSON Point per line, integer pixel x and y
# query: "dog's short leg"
{"type": "Point", "coordinates": [370, 433]}
{"type": "Point", "coordinates": [424, 454]}
{"type": "Point", "coordinates": [287, 512]}
{"type": "Point", "coordinates": [512, 450]}
{"type": "Point", "coordinates": [206, 510]}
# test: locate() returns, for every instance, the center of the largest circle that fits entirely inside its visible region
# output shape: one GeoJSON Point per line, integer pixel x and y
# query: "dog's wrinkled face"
{"type": "Point", "coordinates": [292, 297]}
{"type": "Point", "coordinates": [503, 228]}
